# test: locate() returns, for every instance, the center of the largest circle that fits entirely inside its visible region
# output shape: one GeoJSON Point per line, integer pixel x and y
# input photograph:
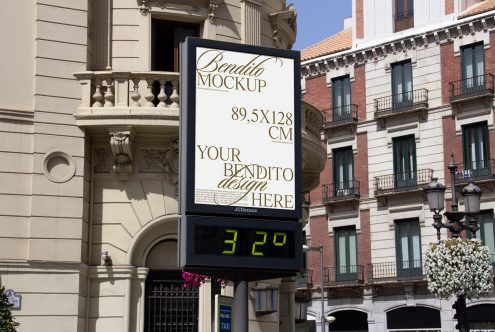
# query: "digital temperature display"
{"type": "Point", "coordinates": [222, 247]}
{"type": "Point", "coordinates": [238, 241]}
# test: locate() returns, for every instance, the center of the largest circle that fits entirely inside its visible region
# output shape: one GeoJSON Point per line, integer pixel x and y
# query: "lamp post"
{"type": "Point", "coordinates": [435, 194]}
{"type": "Point", "coordinates": [322, 298]}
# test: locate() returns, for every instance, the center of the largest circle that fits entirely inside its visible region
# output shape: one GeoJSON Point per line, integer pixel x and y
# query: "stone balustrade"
{"type": "Point", "coordinates": [130, 98]}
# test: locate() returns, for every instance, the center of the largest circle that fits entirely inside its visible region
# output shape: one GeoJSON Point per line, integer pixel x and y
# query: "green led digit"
{"type": "Point", "coordinates": [231, 242]}
{"type": "Point", "coordinates": [258, 243]}
{"type": "Point", "coordinates": [276, 240]}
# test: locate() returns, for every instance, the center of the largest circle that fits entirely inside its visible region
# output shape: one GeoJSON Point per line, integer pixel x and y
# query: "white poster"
{"type": "Point", "coordinates": [244, 149]}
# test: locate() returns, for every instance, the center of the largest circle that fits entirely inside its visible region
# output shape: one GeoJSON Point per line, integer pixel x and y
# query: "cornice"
{"type": "Point", "coordinates": [359, 56]}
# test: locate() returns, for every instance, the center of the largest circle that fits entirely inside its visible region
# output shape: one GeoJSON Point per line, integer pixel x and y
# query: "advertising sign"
{"type": "Point", "coordinates": [242, 127]}
{"type": "Point", "coordinates": [240, 172]}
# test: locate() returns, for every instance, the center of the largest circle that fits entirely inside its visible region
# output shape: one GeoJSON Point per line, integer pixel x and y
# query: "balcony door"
{"type": "Point", "coordinates": [405, 161]}
{"type": "Point", "coordinates": [473, 68]}
{"type": "Point", "coordinates": [166, 37]}
{"type": "Point", "coordinates": [476, 150]}
{"type": "Point", "coordinates": [402, 85]}
{"type": "Point", "coordinates": [408, 248]}
{"type": "Point", "coordinates": [341, 98]}
{"type": "Point", "coordinates": [343, 172]}
{"type": "Point", "coordinates": [346, 254]}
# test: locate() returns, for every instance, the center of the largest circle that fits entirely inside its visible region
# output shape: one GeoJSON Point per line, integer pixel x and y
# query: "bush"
{"type": "Point", "coordinates": [7, 323]}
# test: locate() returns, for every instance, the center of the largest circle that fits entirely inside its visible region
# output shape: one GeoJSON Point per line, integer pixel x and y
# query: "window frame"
{"type": "Point", "coordinates": [342, 111]}
{"type": "Point", "coordinates": [412, 269]}
{"type": "Point", "coordinates": [404, 97]}
{"type": "Point", "coordinates": [400, 178]}
{"type": "Point", "coordinates": [476, 168]}
{"type": "Point", "coordinates": [346, 186]}
{"type": "Point", "coordinates": [347, 271]}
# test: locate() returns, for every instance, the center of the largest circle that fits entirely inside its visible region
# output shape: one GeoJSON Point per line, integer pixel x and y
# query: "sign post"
{"type": "Point", "coordinates": [224, 309]}
{"type": "Point", "coordinates": [240, 172]}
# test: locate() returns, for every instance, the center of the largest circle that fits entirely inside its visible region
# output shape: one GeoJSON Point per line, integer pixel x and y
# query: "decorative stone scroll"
{"type": "Point", "coordinates": [162, 161]}
{"type": "Point", "coordinates": [120, 143]}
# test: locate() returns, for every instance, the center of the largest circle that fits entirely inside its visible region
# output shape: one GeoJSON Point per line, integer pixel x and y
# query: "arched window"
{"type": "Point", "coordinates": [481, 317]}
{"type": "Point", "coordinates": [407, 318]}
{"type": "Point", "coordinates": [349, 320]}
{"type": "Point", "coordinates": [169, 306]}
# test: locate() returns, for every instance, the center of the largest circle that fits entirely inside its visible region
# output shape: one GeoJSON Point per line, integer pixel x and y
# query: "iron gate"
{"type": "Point", "coordinates": [170, 307]}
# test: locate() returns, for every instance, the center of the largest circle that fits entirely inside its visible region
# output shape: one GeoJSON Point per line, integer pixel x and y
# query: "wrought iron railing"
{"type": "Point", "coordinates": [404, 20]}
{"type": "Point", "coordinates": [341, 114]}
{"type": "Point", "coordinates": [402, 181]}
{"type": "Point", "coordinates": [340, 191]}
{"type": "Point", "coordinates": [404, 14]}
{"type": "Point", "coordinates": [395, 271]}
{"type": "Point", "coordinates": [400, 102]}
{"type": "Point", "coordinates": [476, 170]}
{"type": "Point", "coordinates": [350, 274]}
{"type": "Point", "coordinates": [471, 87]}
{"type": "Point", "coordinates": [170, 306]}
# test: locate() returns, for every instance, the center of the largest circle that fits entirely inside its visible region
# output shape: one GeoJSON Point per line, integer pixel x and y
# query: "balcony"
{"type": "Point", "coordinates": [315, 154]}
{"type": "Point", "coordinates": [342, 116]}
{"type": "Point", "coordinates": [412, 102]}
{"type": "Point", "coordinates": [483, 172]}
{"type": "Point", "coordinates": [396, 272]}
{"type": "Point", "coordinates": [404, 20]}
{"type": "Point", "coordinates": [407, 182]}
{"type": "Point", "coordinates": [477, 88]}
{"type": "Point", "coordinates": [343, 275]}
{"type": "Point", "coordinates": [341, 192]}
{"type": "Point", "coordinates": [112, 99]}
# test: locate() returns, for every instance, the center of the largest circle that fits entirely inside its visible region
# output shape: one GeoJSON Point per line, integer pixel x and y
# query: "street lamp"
{"type": "Point", "coordinates": [435, 194]}
{"type": "Point", "coordinates": [322, 298]}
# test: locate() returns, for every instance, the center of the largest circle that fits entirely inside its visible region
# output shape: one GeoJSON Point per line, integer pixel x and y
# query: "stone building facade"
{"type": "Point", "coordinates": [89, 119]}
{"type": "Point", "coordinates": [404, 85]}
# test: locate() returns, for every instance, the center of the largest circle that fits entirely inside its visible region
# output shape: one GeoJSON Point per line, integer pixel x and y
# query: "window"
{"type": "Point", "coordinates": [405, 161]}
{"type": "Point", "coordinates": [402, 84]}
{"type": "Point", "coordinates": [486, 233]}
{"type": "Point", "coordinates": [343, 172]}
{"type": "Point", "coordinates": [167, 36]}
{"type": "Point", "coordinates": [476, 150]}
{"type": "Point", "coordinates": [473, 68]}
{"type": "Point", "coordinates": [341, 98]}
{"type": "Point", "coordinates": [408, 248]}
{"type": "Point", "coordinates": [404, 14]}
{"type": "Point", "coordinates": [346, 256]}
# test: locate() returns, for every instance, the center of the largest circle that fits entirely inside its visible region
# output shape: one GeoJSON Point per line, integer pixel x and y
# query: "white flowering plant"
{"type": "Point", "coordinates": [459, 267]}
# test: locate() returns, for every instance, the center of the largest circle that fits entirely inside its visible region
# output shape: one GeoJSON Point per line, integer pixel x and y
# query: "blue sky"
{"type": "Point", "coordinates": [318, 19]}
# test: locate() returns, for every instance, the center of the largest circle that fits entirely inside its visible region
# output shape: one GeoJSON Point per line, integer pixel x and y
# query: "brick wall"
{"type": "Point", "coordinates": [449, 7]}
{"type": "Point", "coordinates": [451, 69]}
{"type": "Point", "coordinates": [364, 241]}
{"type": "Point", "coordinates": [319, 235]}
{"type": "Point", "coordinates": [361, 163]}
{"type": "Point", "coordinates": [358, 91]}
{"type": "Point", "coordinates": [359, 19]}
{"type": "Point", "coordinates": [451, 143]}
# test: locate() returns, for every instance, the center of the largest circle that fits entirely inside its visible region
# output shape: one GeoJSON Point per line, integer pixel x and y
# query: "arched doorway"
{"type": "Point", "coordinates": [169, 306]}
{"type": "Point", "coordinates": [349, 320]}
{"type": "Point", "coordinates": [481, 317]}
{"type": "Point", "coordinates": [409, 318]}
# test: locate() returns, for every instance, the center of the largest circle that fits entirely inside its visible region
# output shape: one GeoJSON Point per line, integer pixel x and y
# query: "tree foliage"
{"type": "Point", "coordinates": [7, 323]}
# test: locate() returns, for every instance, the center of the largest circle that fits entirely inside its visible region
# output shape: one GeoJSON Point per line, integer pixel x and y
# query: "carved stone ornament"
{"type": "Point", "coordinates": [120, 143]}
{"type": "Point", "coordinates": [166, 161]}
{"type": "Point", "coordinates": [144, 7]}
{"type": "Point", "coordinates": [211, 10]}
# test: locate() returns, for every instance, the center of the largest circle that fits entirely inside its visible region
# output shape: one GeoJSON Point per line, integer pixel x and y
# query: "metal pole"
{"type": "Point", "coordinates": [241, 305]}
{"type": "Point", "coordinates": [322, 318]}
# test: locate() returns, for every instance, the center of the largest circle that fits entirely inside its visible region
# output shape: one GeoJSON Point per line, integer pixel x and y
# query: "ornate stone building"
{"type": "Point", "coordinates": [89, 119]}
{"type": "Point", "coordinates": [405, 84]}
